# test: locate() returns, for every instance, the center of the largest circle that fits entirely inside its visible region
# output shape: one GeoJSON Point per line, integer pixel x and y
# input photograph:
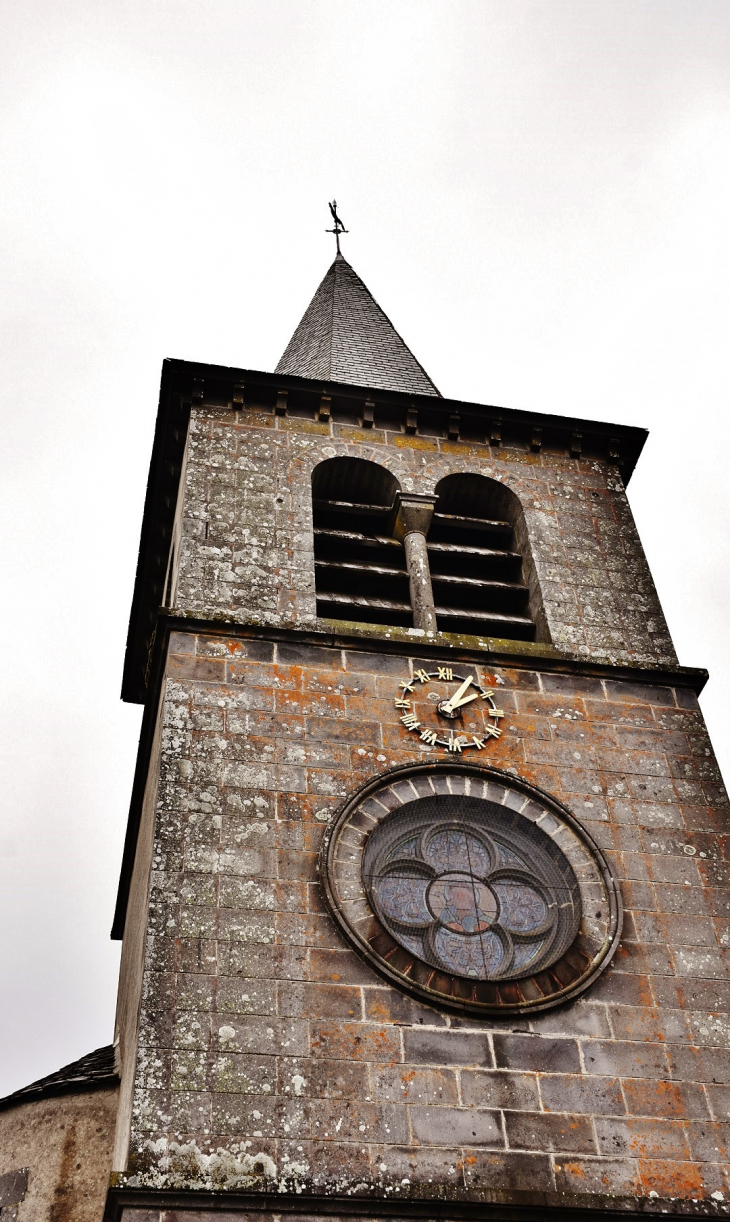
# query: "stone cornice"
{"type": "Point", "coordinates": [490, 1205]}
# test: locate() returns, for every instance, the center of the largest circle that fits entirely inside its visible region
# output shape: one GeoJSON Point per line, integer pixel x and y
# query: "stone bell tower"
{"type": "Point", "coordinates": [423, 900]}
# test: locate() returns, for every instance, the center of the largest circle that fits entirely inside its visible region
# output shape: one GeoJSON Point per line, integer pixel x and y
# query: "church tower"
{"type": "Point", "coordinates": [423, 900]}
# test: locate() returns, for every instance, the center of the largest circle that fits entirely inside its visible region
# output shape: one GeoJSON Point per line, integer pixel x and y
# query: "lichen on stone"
{"type": "Point", "coordinates": [170, 1164]}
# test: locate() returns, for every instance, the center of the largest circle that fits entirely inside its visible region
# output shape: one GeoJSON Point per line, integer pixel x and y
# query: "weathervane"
{"type": "Point", "coordinates": [339, 227]}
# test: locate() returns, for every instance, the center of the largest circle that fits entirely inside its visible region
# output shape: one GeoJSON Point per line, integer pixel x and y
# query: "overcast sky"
{"type": "Point", "coordinates": [538, 195]}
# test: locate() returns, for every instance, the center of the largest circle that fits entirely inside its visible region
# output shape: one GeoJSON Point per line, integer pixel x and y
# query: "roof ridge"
{"type": "Point", "coordinates": [339, 258]}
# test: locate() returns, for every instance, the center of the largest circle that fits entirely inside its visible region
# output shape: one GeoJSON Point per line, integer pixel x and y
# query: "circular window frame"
{"type": "Point", "coordinates": [340, 870]}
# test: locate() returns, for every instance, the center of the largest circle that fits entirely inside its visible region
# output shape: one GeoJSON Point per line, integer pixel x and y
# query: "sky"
{"type": "Point", "coordinates": [537, 193]}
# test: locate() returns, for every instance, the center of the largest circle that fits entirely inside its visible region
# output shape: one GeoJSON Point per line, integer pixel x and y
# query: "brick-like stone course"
{"type": "Point", "coordinates": [265, 1037]}
{"type": "Point", "coordinates": [247, 527]}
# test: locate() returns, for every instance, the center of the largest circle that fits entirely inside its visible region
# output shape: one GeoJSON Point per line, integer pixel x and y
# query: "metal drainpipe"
{"type": "Point", "coordinates": [413, 514]}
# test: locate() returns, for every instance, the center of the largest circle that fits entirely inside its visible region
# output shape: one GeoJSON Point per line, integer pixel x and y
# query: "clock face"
{"type": "Point", "coordinates": [449, 710]}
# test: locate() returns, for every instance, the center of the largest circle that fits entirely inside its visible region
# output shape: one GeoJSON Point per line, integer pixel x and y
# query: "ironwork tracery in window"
{"type": "Point", "coordinates": [468, 893]}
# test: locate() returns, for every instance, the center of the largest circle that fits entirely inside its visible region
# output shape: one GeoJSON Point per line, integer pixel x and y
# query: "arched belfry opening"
{"type": "Point", "coordinates": [481, 568]}
{"type": "Point", "coordinates": [360, 568]}
{"type": "Point", "coordinates": [481, 571]}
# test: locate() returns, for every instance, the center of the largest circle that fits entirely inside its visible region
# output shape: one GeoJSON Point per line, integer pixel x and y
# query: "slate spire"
{"type": "Point", "coordinates": [344, 336]}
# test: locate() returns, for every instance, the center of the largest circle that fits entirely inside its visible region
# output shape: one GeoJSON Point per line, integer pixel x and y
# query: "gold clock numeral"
{"type": "Point", "coordinates": [410, 721]}
{"type": "Point", "coordinates": [430, 737]}
{"type": "Point", "coordinates": [402, 704]}
{"type": "Point", "coordinates": [445, 672]}
{"type": "Point", "coordinates": [423, 675]}
{"type": "Point", "coordinates": [493, 731]}
{"type": "Point", "coordinates": [493, 711]}
{"type": "Point", "coordinates": [407, 687]}
{"type": "Point", "coordinates": [455, 746]}
{"type": "Point", "coordinates": [478, 742]}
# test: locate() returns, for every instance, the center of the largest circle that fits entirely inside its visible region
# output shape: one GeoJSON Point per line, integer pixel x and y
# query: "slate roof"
{"type": "Point", "coordinates": [344, 336]}
{"type": "Point", "coordinates": [91, 1072]}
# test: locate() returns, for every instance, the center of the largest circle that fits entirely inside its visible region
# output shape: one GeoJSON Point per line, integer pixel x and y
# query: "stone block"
{"type": "Point", "coordinates": [570, 686]}
{"type": "Point", "coordinates": [700, 1064]}
{"type": "Point", "coordinates": [573, 1093]}
{"type": "Point", "coordinates": [536, 1053]}
{"type": "Point", "coordinates": [709, 1141]}
{"type": "Point", "coordinates": [13, 1187]}
{"type": "Point", "coordinates": [674, 1179]}
{"type": "Point", "coordinates": [718, 1098]}
{"type": "Point", "coordinates": [446, 1048]}
{"type": "Point", "coordinates": [617, 1177]}
{"type": "Point", "coordinates": [339, 967]}
{"type": "Point", "coordinates": [622, 988]}
{"type": "Point", "coordinates": [357, 1041]}
{"type": "Point", "coordinates": [338, 1080]}
{"type": "Point", "coordinates": [243, 1073]}
{"type": "Point", "coordinates": [188, 1111]}
{"type": "Point", "coordinates": [515, 1091]}
{"type": "Point", "coordinates": [624, 1059]}
{"type": "Point", "coordinates": [358, 1120]}
{"type": "Point", "coordinates": [577, 1019]}
{"type": "Point", "coordinates": [439, 1126]}
{"type": "Point", "coordinates": [420, 1165]}
{"type": "Point", "coordinates": [672, 1100]}
{"type": "Point", "coordinates": [642, 1138]}
{"type": "Point", "coordinates": [641, 693]}
{"type": "Point", "coordinates": [650, 1024]}
{"type": "Point", "coordinates": [374, 663]}
{"type": "Point", "coordinates": [300, 1000]}
{"type": "Point", "coordinates": [511, 1171]}
{"type": "Point", "coordinates": [384, 1004]}
{"type": "Point", "coordinates": [244, 1116]}
{"type": "Point", "coordinates": [571, 1134]}
{"type": "Point", "coordinates": [258, 1035]}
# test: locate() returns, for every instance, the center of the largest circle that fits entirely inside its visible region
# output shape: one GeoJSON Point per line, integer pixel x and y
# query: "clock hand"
{"type": "Point", "coordinates": [456, 704]}
{"type": "Point", "coordinates": [450, 704]}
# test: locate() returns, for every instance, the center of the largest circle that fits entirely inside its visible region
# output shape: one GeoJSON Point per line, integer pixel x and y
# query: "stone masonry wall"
{"type": "Point", "coordinates": [65, 1145]}
{"type": "Point", "coordinates": [247, 528]}
{"type": "Point", "coordinates": [271, 1056]}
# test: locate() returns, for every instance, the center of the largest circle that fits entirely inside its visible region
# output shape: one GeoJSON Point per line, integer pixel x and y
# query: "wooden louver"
{"type": "Point", "coordinates": [476, 577]}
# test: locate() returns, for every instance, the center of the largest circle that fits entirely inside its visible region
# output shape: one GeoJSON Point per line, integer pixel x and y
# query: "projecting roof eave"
{"type": "Point", "coordinates": [185, 383]}
{"type": "Point", "coordinates": [438, 403]}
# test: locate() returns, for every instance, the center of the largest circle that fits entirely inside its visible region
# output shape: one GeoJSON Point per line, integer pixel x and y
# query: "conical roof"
{"type": "Point", "coordinates": [344, 336]}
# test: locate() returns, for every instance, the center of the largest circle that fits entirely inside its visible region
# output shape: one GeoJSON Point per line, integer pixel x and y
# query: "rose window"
{"type": "Point", "coordinates": [470, 888]}
{"type": "Point", "coordinates": [470, 892]}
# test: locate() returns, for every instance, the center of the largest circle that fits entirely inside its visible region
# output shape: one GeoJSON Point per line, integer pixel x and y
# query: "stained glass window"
{"type": "Point", "coordinates": [471, 889]}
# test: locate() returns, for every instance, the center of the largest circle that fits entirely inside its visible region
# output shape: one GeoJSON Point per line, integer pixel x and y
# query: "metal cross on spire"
{"type": "Point", "coordinates": [339, 227]}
